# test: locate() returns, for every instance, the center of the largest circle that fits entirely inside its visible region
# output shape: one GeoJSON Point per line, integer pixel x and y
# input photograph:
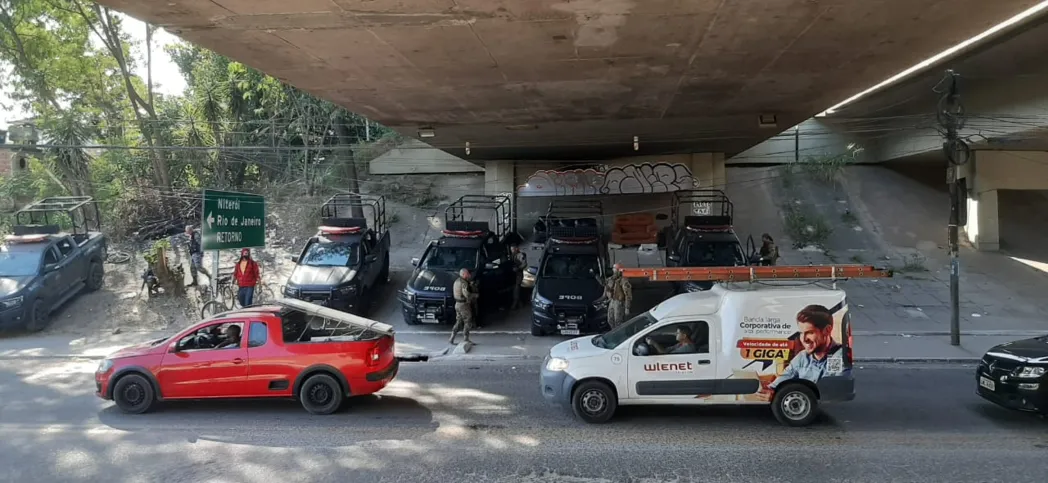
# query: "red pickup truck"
{"type": "Point", "coordinates": [291, 349]}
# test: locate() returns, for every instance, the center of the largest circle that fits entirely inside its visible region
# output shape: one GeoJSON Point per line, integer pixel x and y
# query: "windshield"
{"type": "Point", "coordinates": [571, 266]}
{"type": "Point", "coordinates": [715, 254]}
{"type": "Point", "coordinates": [620, 334]}
{"type": "Point", "coordinates": [330, 254]}
{"type": "Point", "coordinates": [450, 258]}
{"type": "Point", "coordinates": [18, 264]}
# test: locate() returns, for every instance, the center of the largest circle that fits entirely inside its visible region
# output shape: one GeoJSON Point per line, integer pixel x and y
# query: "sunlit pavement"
{"type": "Point", "coordinates": [487, 422]}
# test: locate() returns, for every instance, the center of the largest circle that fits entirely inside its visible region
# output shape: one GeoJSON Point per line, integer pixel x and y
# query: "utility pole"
{"type": "Point", "coordinates": [951, 117]}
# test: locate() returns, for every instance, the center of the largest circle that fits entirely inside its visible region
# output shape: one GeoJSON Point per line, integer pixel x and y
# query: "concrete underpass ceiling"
{"type": "Point", "coordinates": [561, 79]}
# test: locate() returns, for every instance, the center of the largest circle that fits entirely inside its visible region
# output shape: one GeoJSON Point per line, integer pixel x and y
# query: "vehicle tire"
{"type": "Point", "coordinates": [38, 317]}
{"type": "Point", "coordinates": [409, 319]}
{"type": "Point", "coordinates": [795, 405]}
{"type": "Point", "coordinates": [212, 307]}
{"type": "Point", "coordinates": [134, 394]}
{"type": "Point", "coordinates": [383, 277]}
{"type": "Point", "coordinates": [537, 331]}
{"type": "Point", "coordinates": [321, 394]}
{"type": "Point", "coordinates": [96, 276]}
{"type": "Point", "coordinates": [594, 402]}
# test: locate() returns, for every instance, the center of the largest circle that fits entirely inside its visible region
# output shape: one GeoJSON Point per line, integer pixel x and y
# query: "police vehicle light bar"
{"type": "Point", "coordinates": [463, 233]}
{"type": "Point", "coordinates": [25, 239]}
{"type": "Point", "coordinates": [339, 230]}
{"type": "Point", "coordinates": [748, 274]}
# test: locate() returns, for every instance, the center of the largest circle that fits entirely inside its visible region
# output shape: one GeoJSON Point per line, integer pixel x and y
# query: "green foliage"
{"type": "Point", "coordinates": [154, 252]}
{"type": "Point", "coordinates": [805, 227]}
{"type": "Point", "coordinates": [826, 168]}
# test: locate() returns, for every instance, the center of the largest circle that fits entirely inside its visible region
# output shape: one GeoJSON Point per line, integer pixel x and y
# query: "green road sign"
{"type": "Point", "coordinates": [233, 220]}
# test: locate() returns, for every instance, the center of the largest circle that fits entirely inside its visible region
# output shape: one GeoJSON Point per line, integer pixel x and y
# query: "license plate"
{"type": "Point", "coordinates": [569, 331]}
{"type": "Point", "coordinates": [987, 383]}
{"type": "Point", "coordinates": [429, 317]}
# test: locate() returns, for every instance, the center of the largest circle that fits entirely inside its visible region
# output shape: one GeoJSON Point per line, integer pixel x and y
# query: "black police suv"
{"type": "Point", "coordinates": [568, 296]}
{"type": "Point", "coordinates": [42, 267]}
{"type": "Point", "coordinates": [428, 296]}
{"type": "Point", "coordinates": [347, 260]}
{"type": "Point", "coordinates": [1015, 375]}
{"type": "Point", "coordinates": [701, 235]}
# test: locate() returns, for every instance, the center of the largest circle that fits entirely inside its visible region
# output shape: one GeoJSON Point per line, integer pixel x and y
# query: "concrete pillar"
{"type": "Point", "coordinates": [708, 170]}
{"type": "Point", "coordinates": [984, 228]}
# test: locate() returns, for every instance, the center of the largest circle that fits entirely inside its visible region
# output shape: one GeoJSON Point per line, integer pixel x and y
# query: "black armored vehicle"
{"type": "Point", "coordinates": [568, 297]}
{"type": "Point", "coordinates": [464, 243]}
{"type": "Point", "coordinates": [348, 259]}
{"type": "Point", "coordinates": [702, 235]}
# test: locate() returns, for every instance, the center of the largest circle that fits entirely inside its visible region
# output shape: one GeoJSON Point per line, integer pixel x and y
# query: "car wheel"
{"type": "Point", "coordinates": [384, 276]}
{"type": "Point", "coordinates": [38, 317]}
{"type": "Point", "coordinates": [96, 276]}
{"type": "Point", "coordinates": [409, 319]}
{"type": "Point", "coordinates": [321, 394]}
{"type": "Point", "coordinates": [133, 394]}
{"type": "Point", "coordinates": [795, 405]}
{"type": "Point", "coordinates": [594, 402]}
{"type": "Point", "coordinates": [537, 331]}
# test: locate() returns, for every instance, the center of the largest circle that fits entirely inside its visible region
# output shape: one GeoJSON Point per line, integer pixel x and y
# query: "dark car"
{"type": "Point", "coordinates": [42, 267]}
{"type": "Point", "coordinates": [427, 297]}
{"type": "Point", "coordinates": [1015, 375]}
{"type": "Point", "coordinates": [702, 240]}
{"type": "Point", "coordinates": [568, 297]}
{"type": "Point", "coordinates": [343, 264]}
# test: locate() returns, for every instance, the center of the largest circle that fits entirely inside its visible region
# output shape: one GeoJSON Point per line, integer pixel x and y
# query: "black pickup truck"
{"type": "Point", "coordinates": [702, 235]}
{"type": "Point", "coordinates": [568, 297]}
{"type": "Point", "coordinates": [469, 244]}
{"type": "Point", "coordinates": [43, 266]}
{"type": "Point", "coordinates": [343, 264]}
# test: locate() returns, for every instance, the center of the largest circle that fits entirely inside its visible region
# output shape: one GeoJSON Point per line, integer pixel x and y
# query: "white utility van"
{"type": "Point", "coordinates": [786, 344]}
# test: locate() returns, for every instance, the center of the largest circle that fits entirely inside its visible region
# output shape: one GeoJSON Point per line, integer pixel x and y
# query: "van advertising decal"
{"type": "Point", "coordinates": [806, 345]}
{"type": "Point", "coordinates": [680, 367]}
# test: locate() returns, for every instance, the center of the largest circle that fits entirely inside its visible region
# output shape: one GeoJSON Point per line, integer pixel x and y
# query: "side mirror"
{"type": "Point", "coordinates": [674, 258]}
{"type": "Point", "coordinates": [491, 266]}
{"type": "Point", "coordinates": [174, 347]}
{"type": "Point", "coordinates": [641, 349]}
{"type": "Point", "coordinates": [661, 217]}
{"type": "Point", "coordinates": [415, 261]}
{"type": "Point", "coordinates": [51, 267]}
{"type": "Point", "coordinates": [371, 259]}
{"type": "Point", "coordinates": [294, 259]}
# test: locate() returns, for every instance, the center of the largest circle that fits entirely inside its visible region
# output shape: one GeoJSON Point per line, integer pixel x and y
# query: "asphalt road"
{"type": "Point", "coordinates": [446, 422]}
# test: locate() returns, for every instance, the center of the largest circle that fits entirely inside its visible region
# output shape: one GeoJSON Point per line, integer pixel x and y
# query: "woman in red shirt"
{"type": "Point", "coordinates": [247, 277]}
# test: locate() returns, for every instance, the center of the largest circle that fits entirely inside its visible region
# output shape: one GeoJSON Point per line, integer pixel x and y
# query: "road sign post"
{"type": "Point", "coordinates": [231, 221]}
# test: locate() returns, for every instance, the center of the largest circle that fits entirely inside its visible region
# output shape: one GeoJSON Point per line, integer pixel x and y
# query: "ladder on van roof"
{"type": "Point", "coordinates": [749, 274]}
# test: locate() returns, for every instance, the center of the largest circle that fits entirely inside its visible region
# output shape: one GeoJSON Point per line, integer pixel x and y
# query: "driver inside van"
{"type": "Point", "coordinates": [684, 344]}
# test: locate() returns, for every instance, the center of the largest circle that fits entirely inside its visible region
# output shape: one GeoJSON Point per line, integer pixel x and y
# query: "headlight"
{"type": "Point", "coordinates": [601, 303]}
{"type": "Point", "coordinates": [105, 366]}
{"type": "Point", "coordinates": [557, 364]}
{"type": "Point", "coordinates": [1030, 372]}
{"type": "Point", "coordinates": [11, 302]}
{"type": "Point", "coordinates": [348, 290]}
{"type": "Point", "coordinates": [290, 291]}
{"type": "Point", "coordinates": [540, 302]}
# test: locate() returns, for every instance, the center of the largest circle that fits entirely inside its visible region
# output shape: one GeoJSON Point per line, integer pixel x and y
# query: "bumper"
{"type": "Point", "coordinates": [101, 385]}
{"type": "Point", "coordinates": [1008, 394]}
{"type": "Point", "coordinates": [375, 381]}
{"type": "Point", "coordinates": [428, 313]}
{"type": "Point", "coordinates": [556, 385]}
{"type": "Point", "coordinates": [13, 318]}
{"type": "Point", "coordinates": [595, 322]}
{"type": "Point", "coordinates": [836, 388]}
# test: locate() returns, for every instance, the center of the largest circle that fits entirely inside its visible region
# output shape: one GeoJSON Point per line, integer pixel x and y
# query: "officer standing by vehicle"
{"type": "Point", "coordinates": [196, 255]}
{"type": "Point", "coordinates": [520, 264]}
{"type": "Point", "coordinates": [620, 294]}
{"type": "Point", "coordinates": [769, 253]}
{"type": "Point", "coordinates": [465, 297]}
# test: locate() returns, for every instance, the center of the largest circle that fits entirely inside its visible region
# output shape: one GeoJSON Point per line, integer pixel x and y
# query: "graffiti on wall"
{"type": "Point", "coordinates": [618, 180]}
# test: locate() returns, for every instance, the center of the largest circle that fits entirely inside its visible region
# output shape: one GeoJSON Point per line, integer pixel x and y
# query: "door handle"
{"type": "Point", "coordinates": [704, 362]}
{"type": "Point", "coordinates": [238, 361]}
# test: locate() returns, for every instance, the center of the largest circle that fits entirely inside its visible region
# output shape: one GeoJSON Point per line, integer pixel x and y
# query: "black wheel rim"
{"type": "Point", "coordinates": [134, 394]}
{"type": "Point", "coordinates": [38, 313]}
{"type": "Point", "coordinates": [594, 402]}
{"type": "Point", "coordinates": [320, 395]}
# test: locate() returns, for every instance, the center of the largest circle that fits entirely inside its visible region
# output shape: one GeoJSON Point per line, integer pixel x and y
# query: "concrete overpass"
{"type": "Point", "coordinates": [1006, 101]}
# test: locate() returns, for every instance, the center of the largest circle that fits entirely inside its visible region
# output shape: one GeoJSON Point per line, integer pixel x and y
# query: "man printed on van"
{"type": "Point", "coordinates": [815, 330]}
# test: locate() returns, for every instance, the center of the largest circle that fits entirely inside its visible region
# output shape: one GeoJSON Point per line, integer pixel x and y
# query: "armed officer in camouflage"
{"type": "Point", "coordinates": [520, 264]}
{"type": "Point", "coordinates": [465, 301]}
{"type": "Point", "coordinates": [620, 294]}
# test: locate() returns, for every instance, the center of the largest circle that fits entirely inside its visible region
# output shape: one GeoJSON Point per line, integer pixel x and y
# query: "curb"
{"type": "Point", "coordinates": [918, 360]}
{"type": "Point", "coordinates": [444, 356]}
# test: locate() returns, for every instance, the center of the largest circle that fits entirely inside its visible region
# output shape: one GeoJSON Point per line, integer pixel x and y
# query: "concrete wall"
{"type": "Point", "coordinates": [416, 157]}
{"type": "Point", "coordinates": [811, 138]}
{"type": "Point", "coordinates": [988, 174]}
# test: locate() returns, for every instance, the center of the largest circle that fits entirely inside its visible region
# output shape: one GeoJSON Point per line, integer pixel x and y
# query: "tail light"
{"type": "Point", "coordinates": [374, 354]}
{"type": "Point", "coordinates": [850, 353]}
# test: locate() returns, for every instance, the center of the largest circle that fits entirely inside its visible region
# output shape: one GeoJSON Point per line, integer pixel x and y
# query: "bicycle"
{"type": "Point", "coordinates": [227, 295]}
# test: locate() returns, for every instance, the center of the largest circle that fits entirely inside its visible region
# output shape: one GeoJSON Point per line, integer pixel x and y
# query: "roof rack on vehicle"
{"type": "Point", "coordinates": [751, 274]}
{"type": "Point", "coordinates": [561, 240]}
{"type": "Point", "coordinates": [351, 208]}
{"type": "Point", "coordinates": [702, 209]}
{"type": "Point", "coordinates": [464, 233]}
{"type": "Point", "coordinates": [461, 212]}
{"type": "Point", "coordinates": [574, 219]}
{"type": "Point", "coordinates": [342, 226]}
{"type": "Point", "coordinates": [25, 239]}
{"type": "Point", "coordinates": [79, 212]}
